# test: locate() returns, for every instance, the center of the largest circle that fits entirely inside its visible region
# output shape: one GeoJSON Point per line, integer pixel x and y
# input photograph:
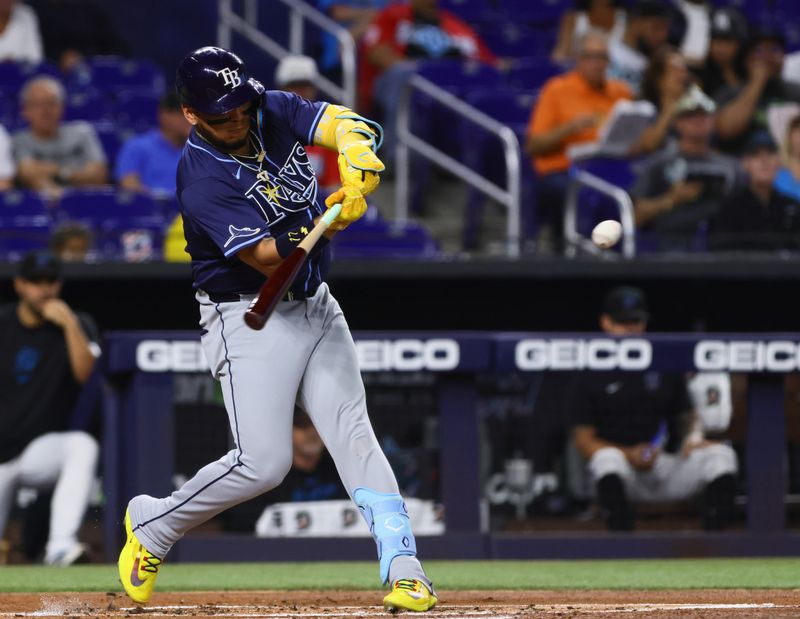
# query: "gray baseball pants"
{"type": "Point", "coordinates": [304, 354]}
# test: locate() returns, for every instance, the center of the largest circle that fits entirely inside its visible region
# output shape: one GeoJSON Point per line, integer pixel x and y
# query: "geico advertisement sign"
{"type": "Point", "coordinates": [404, 355]}
{"type": "Point", "coordinates": [176, 356]}
{"type": "Point", "coordinates": [746, 356]}
{"type": "Point", "coordinates": [576, 354]}
{"type": "Point", "coordinates": [408, 355]}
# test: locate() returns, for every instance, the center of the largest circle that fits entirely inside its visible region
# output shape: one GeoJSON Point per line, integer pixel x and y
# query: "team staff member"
{"type": "Point", "coordinates": [570, 109]}
{"type": "Point", "coordinates": [248, 197]}
{"type": "Point", "coordinates": [48, 352]}
{"type": "Point", "coordinates": [625, 420]}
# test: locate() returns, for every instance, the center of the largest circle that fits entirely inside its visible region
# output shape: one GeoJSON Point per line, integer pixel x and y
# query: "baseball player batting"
{"type": "Point", "coordinates": [247, 195]}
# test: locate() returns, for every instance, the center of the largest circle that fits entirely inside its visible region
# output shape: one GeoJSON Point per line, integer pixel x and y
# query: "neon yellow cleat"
{"type": "Point", "coordinates": [138, 567]}
{"type": "Point", "coordinates": [409, 594]}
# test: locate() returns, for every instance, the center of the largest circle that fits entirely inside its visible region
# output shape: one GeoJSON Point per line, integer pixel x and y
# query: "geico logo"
{"type": "Point", "coordinates": [163, 356]}
{"type": "Point", "coordinates": [594, 354]}
{"type": "Point", "coordinates": [408, 355]}
{"type": "Point", "coordinates": [744, 356]}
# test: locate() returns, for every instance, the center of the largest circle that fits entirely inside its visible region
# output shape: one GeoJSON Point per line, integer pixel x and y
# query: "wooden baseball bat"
{"type": "Point", "coordinates": [273, 290]}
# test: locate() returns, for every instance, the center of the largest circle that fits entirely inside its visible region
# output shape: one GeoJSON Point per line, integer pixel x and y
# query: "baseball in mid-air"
{"type": "Point", "coordinates": [606, 233]}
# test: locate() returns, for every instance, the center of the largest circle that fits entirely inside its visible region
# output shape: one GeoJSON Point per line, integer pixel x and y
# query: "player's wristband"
{"type": "Point", "coordinates": [286, 242]}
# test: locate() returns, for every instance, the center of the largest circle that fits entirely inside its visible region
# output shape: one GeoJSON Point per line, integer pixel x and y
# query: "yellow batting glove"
{"type": "Point", "coordinates": [359, 167]}
{"type": "Point", "coordinates": [353, 206]}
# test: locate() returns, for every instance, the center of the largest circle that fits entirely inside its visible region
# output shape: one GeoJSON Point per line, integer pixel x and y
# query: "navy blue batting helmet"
{"type": "Point", "coordinates": [214, 81]}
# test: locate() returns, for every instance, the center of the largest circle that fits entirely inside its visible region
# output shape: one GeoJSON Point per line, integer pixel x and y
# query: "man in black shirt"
{"type": "Point", "coordinates": [758, 217]}
{"type": "Point", "coordinates": [48, 352]}
{"type": "Point", "coordinates": [626, 421]}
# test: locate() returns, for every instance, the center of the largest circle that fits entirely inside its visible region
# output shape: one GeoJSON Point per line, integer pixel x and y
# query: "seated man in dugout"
{"type": "Point", "coordinates": [641, 437]}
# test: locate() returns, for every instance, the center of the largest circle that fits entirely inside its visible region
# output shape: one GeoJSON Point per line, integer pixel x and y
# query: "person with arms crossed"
{"type": "Point", "coordinates": [49, 352]}
{"type": "Point", "coordinates": [248, 197]}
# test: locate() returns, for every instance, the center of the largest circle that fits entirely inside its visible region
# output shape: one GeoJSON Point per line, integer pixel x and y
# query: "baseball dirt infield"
{"type": "Point", "coordinates": [663, 604]}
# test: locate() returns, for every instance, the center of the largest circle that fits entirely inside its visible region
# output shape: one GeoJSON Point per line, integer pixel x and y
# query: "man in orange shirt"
{"type": "Point", "coordinates": [571, 108]}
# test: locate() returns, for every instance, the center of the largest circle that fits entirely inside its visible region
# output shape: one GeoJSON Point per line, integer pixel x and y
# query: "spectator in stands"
{"type": "Point", "coordinates": [725, 64]}
{"type": "Point", "coordinates": [71, 242]}
{"type": "Point", "coordinates": [758, 217]}
{"type": "Point", "coordinates": [787, 181]}
{"type": "Point", "coordinates": [680, 188]}
{"type": "Point", "coordinates": [296, 74]}
{"type": "Point", "coordinates": [148, 162]}
{"type": "Point", "coordinates": [570, 109]}
{"type": "Point", "coordinates": [666, 80]}
{"type": "Point", "coordinates": [640, 436]}
{"type": "Point", "coordinates": [51, 154]}
{"type": "Point", "coordinates": [744, 109]}
{"type": "Point", "coordinates": [400, 35]}
{"type": "Point", "coordinates": [7, 168]}
{"type": "Point", "coordinates": [605, 15]}
{"type": "Point", "coordinates": [646, 32]}
{"type": "Point", "coordinates": [20, 40]}
{"type": "Point", "coordinates": [48, 353]}
{"type": "Point", "coordinates": [356, 16]}
{"type": "Point", "coordinates": [75, 29]}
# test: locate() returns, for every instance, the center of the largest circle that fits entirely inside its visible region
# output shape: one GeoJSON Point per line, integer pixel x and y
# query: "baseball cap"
{"type": "Point", "coordinates": [695, 100]}
{"type": "Point", "coordinates": [648, 8]}
{"type": "Point", "coordinates": [39, 265]}
{"type": "Point", "coordinates": [728, 23]}
{"type": "Point", "coordinates": [626, 304]}
{"type": "Point", "coordinates": [292, 69]}
{"type": "Point", "coordinates": [758, 141]}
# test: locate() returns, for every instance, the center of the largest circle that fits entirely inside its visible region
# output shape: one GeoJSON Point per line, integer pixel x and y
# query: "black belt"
{"type": "Point", "coordinates": [231, 297]}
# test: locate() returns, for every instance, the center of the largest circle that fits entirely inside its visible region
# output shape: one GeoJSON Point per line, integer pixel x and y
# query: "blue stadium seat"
{"type": "Point", "coordinates": [108, 208]}
{"type": "Point", "coordinates": [532, 72]}
{"type": "Point", "coordinates": [138, 243]}
{"type": "Point", "coordinates": [112, 74]}
{"type": "Point", "coordinates": [23, 207]}
{"type": "Point", "coordinates": [14, 74]}
{"type": "Point", "coordinates": [484, 153]}
{"type": "Point", "coordinates": [127, 226]}
{"type": "Point", "coordinates": [88, 104]}
{"type": "Point", "coordinates": [16, 240]}
{"type": "Point", "coordinates": [457, 76]}
{"type": "Point", "coordinates": [380, 240]}
{"type": "Point", "coordinates": [136, 111]}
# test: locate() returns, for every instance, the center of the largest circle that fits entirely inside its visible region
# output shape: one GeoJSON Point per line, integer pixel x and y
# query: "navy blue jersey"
{"type": "Point", "coordinates": [230, 201]}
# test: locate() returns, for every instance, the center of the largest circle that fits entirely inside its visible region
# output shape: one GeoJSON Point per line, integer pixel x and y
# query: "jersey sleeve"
{"type": "Point", "coordinates": [224, 214]}
{"type": "Point", "coordinates": [301, 115]}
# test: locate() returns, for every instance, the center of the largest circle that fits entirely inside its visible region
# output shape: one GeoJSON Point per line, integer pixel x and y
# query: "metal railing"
{"type": "Point", "coordinates": [407, 141]}
{"type": "Point", "coordinates": [575, 240]}
{"type": "Point", "coordinates": [246, 26]}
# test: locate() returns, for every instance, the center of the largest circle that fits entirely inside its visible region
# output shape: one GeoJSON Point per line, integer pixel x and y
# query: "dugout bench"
{"type": "Point", "coordinates": [139, 433]}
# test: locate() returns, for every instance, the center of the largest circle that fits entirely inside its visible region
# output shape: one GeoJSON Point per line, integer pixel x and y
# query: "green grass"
{"type": "Point", "coordinates": [448, 575]}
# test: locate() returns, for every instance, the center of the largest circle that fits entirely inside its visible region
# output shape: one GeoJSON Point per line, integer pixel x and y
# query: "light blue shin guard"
{"type": "Point", "coordinates": [387, 518]}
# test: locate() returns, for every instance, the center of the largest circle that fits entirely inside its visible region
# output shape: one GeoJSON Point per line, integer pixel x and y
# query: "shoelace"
{"type": "Point", "coordinates": [406, 583]}
{"type": "Point", "coordinates": [151, 563]}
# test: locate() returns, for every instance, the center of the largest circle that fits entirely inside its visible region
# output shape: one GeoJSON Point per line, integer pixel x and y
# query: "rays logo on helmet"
{"type": "Point", "coordinates": [230, 76]}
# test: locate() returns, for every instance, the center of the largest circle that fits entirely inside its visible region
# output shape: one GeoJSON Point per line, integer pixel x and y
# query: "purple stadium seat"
{"type": "Point", "coordinates": [531, 73]}
{"type": "Point", "coordinates": [112, 74]}
{"type": "Point", "coordinates": [111, 141]}
{"type": "Point", "coordinates": [14, 74]}
{"type": "Point", "coordinates": [136, 111]}
{"type": "Point", "coordinates": [23, 207]}
{"type": "Point", "coordinates": [106, 208]}
{"type": "Point", "coordinates": [89, 104]}
{"type": "Point", "coordinates": [16, 240]}
{"type": "Point", "coordinates": [379, 240]}
{"type": "Point", "coordinates": [139, 243]}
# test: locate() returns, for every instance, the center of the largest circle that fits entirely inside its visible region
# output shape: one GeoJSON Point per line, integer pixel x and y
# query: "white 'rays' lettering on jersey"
{"type": "Point", "coordinates": [293, 190]}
